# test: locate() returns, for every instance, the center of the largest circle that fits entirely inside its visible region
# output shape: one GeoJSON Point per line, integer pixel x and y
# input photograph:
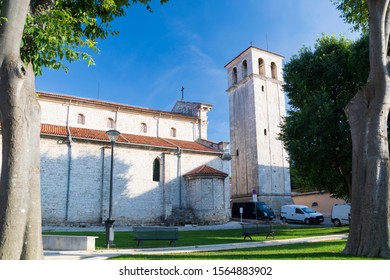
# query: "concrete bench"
{"type": "Point", "coordinates": [155, 233]}
{"type": "Point", "coordinates": [257, 229]}
{"type": "Point", "coordinates": [69, 242]}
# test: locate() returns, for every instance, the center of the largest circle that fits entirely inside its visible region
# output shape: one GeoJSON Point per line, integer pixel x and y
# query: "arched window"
{"type": "Point", "coordinates": [173, 132]}
{"type": "Point", "coordinates": [261, 67]}
{"type": "Point", "coordinates": [144, 128]}
{"type": "Point", "coordinates": [80, 119]}
{"type": "Point", "coordinates": [244, 69]}
{"type": "Point", "coordinates": [234, 76]}
{"type": "Point", "coordinates": [110, 123]}
{"type": "Point", "coordinates": [274, 73]}
{"type": "Point", "coordinates": [156, 170]}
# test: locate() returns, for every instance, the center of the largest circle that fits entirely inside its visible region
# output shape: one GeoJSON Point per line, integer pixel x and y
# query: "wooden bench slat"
{"type": "Point", "coordinates": [257, 229]}
{"type": "Point", "coordinates": [155, 233]}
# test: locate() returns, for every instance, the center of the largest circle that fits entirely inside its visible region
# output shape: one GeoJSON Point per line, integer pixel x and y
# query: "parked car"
{"type": "Point", "coordinates": [252, 210]}
{"type": "Point", "coordinates": [301, 214]}
{"type": "Point", "coordinates": [341, 214]}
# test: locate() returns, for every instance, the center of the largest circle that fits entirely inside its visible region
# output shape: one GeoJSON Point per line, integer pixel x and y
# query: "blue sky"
{"type": "Point", "coordinates": [188, 43]}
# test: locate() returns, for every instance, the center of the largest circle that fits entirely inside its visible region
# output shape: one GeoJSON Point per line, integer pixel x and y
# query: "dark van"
{"type": "Point", "coordinates": [252, 210]}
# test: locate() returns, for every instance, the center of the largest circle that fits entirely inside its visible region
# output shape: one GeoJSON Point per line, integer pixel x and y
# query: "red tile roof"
{"type": "Point", "coordinates": [206, 170]}
{"type": "Point", "coordinates": [99, 135]}
{"type": "Point", "coordinates": [188, 145]}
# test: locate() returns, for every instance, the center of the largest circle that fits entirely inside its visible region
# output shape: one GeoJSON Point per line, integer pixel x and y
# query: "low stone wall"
{"type": "Point", "coordinates": [69, 243]}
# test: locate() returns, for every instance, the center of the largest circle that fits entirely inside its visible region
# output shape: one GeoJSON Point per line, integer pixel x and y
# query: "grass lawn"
{"type": "Point", "coordinates": [124, 240]}
{"type": "Point", "coordinates": [328, 250]}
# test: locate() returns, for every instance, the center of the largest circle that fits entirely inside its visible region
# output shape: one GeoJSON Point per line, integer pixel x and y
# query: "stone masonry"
{"type": "Point", "coordinates": [257, 106]}
{"type": "Point", "coordinates": [153, 152]}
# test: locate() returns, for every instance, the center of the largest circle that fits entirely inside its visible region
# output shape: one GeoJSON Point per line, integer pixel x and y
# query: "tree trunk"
{"type": "Point", "coordinates": [367, 114]}
{"type": "Point", "coordinates": [20, 214]}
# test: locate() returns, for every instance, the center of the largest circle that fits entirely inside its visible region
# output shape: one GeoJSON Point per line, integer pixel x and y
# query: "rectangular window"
{"type": "Point", "coordinates": [173, 132]}
{"type": "Point", "coordinates": [156, 170]}
{"type": "Point", "coordinates": [81, 119]}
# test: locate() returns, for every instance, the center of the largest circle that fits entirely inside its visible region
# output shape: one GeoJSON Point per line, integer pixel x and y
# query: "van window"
{"type": "Point", "coordinates": [308, 210]}
{"type": "Point", "coordinates": [263, 206]}
{"type": "Point", "coordinates": [298, 211]}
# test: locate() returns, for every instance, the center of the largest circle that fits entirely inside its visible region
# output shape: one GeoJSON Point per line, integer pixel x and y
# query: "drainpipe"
{"type": "Point", "coordinates": [116, 117]}
{"type": "Point", "coordinates": [69, 165]}
{"type": "Point", "coordinates": [102, 184]}
{"type": "Point", "coordinates": [179, 152]}
{"type": "Point", "coordinates": [164, 195]}
{"type": "Point", "coordinates": [157, 118]}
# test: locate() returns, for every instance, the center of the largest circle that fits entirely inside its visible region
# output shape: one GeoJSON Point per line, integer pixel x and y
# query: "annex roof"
{"type": "Point", "coordinates": [205, 170]}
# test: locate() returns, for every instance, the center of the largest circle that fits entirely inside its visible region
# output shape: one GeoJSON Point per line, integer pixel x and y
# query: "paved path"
{"type": "Point", "coordinates": [105, 254]}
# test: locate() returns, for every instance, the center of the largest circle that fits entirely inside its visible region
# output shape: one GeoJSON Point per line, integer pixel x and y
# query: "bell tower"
{"type": "Point", "coordinates": [256, 108]}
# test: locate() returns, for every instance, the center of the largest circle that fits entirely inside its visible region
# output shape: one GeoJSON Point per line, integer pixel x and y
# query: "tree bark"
{"type": "Point", "coordinates": [20, 212]}
{"type": "Point", "coordinates": [367, 114]}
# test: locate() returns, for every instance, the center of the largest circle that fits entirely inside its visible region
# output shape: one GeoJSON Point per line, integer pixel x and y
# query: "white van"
{"type": "Point", "coordinates": [341, 214]}
{"type": "Point", "coordinates": [300, 213]}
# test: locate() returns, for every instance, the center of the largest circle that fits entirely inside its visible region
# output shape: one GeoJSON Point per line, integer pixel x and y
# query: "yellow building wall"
{"type": "Point", "coordinates": [319, 201]}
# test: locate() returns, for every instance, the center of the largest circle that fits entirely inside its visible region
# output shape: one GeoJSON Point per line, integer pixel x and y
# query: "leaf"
{"type": "Point", "coordinates": [66, 31]}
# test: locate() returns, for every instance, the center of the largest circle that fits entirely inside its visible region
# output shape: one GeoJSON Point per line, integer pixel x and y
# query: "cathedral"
{"type": "Point", "coordinates": [161, 168]}
{"type": "Point", "coordinates": [165, 171]}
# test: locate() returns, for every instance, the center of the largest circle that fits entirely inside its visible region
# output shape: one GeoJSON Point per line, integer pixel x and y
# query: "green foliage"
{"type": "Point", "coordinates": [67, 30]}
{"type": "Point", "coordinates": [319, 84]}
{"type": "Point", "coordinates": [354, 12]}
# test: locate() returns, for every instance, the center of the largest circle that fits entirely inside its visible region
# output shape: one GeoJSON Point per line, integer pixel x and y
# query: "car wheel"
{"type": "Point", "coordinates": [284, 220]}
{"type": "Point", "coordinates": [336, 222]}
{"type": "Point", "coordinates": [307, 221]}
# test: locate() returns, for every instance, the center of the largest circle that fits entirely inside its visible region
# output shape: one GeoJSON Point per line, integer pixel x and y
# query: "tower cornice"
{"type": "Point", "coordinates": [254, 48]}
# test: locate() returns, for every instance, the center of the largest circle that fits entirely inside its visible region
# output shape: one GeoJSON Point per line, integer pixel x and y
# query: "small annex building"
{"type": "Point", "coordinates": [165, 170]}
{"type": "Point", "coordinates": [205, 186]}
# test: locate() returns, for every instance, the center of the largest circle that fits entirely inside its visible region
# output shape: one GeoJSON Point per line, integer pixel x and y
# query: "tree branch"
{"type": "Point", "coordinates": [378, 38]}
{"type": "Point", "coordinates": [11, 30]}
{"type": "Point", "coordinates": [41, 5]}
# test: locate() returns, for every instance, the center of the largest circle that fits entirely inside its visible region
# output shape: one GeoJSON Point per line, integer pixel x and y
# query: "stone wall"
{"type": "Point", "coordinates": [207, 197]}
{"type": "Point", "coordinates": [75, 172]}
{"type": "Point", "coordinates": [81, 194]}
